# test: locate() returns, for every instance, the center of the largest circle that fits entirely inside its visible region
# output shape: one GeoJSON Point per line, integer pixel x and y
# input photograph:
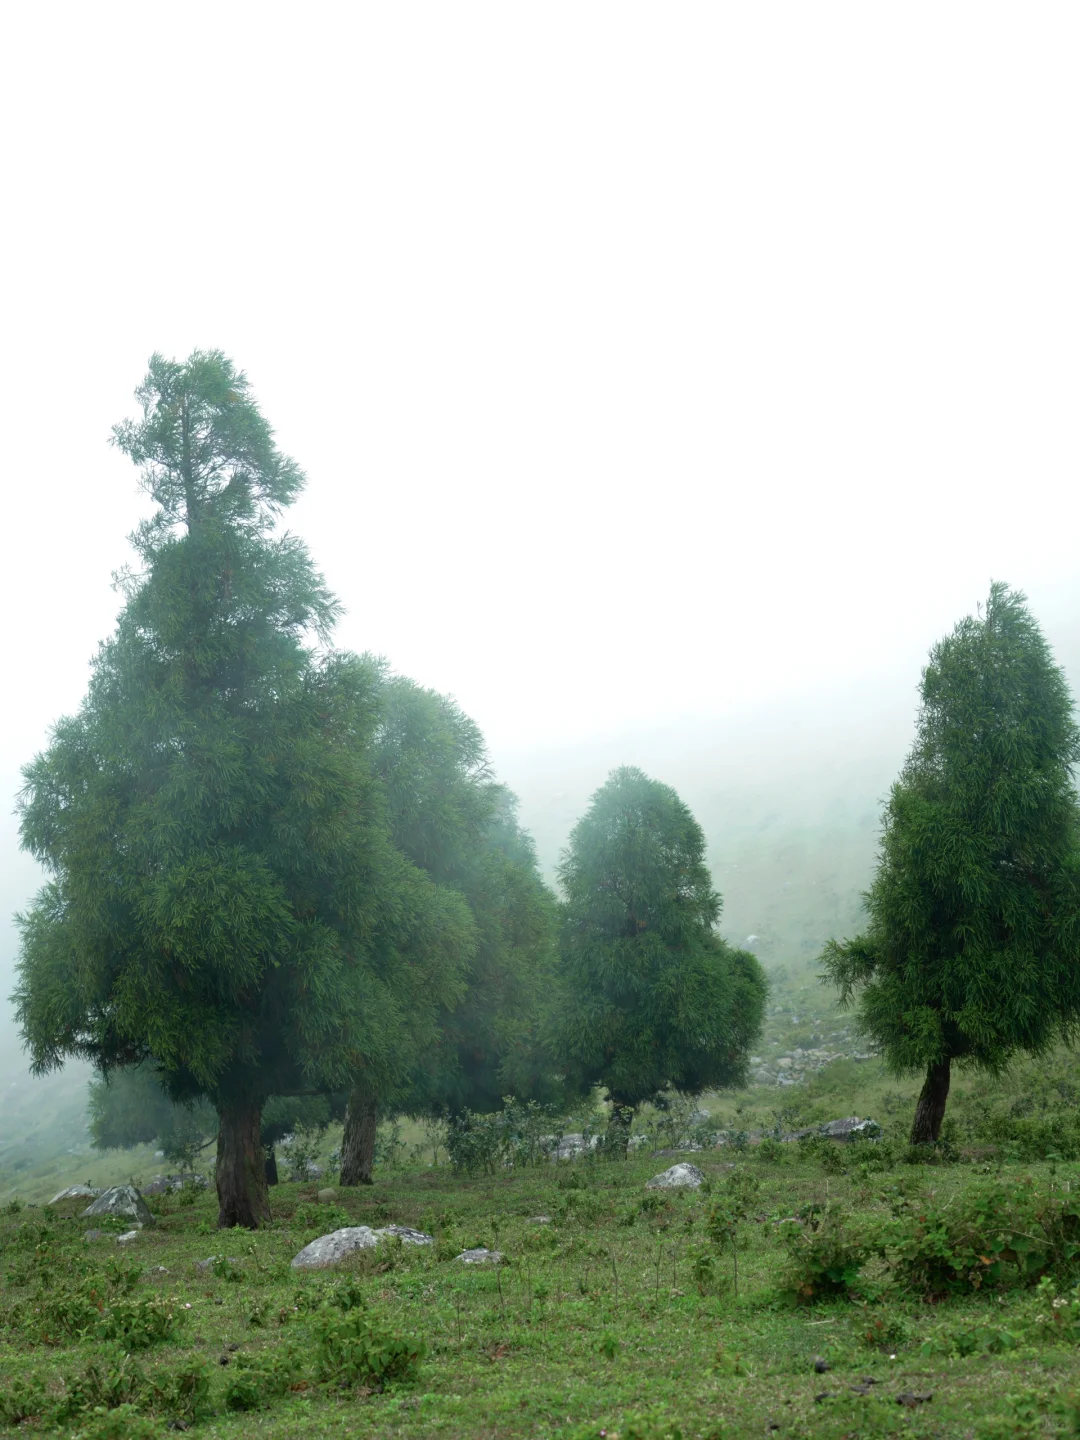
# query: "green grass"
{"type": "Point", "coordinates": [595, 1318]}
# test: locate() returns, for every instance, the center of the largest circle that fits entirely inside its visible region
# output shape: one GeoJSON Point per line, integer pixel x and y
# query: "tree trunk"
{"type": "Point", "coordinates": [243, 1198]}
{"type": "Point", "coordinates": [358, 1141]}
{"type": "Point", "coordinates": [620, 1120]}
{"type": "Point", "coordinates": [930, 1111]}
{"type": "Point", "coordinates": [271, 1167]}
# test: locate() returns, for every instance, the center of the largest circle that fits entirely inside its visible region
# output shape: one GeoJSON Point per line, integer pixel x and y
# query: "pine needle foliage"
{"type": "Point", "coordinates": [972, 947]}
{"type": "Point", "coordinates": [650, 996]}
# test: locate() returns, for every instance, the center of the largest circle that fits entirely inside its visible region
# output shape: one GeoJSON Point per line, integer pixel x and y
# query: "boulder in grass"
{"type": "Point", "coordinates": [76, 1192]}
{"type": "Point", "coordinates": [684, 1175]}
{"type": "Point", "coordinates": [92, 1235]}
{"type": "Point", "coordinates": [850, 1128]}
{"type": "Point", "coordinates": [480, 1256]}
{"type": "Point", "coordinates": [123, 1201]}
{"type": "Point", "coordinates": [333, 1248]}
{"type": "Point", "coordinates": [128, 1238]}
{"type": "Point", "coordinates": [327, 1196]}
{"type": "Point", "coordinates": [406, 1234]}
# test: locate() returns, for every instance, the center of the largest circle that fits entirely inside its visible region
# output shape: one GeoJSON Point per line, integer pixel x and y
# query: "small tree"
{"type": "Point", "coordinates": [650, 997]}
{"type": "Point", "coordinates": [225, 897]}
{"type": "Point", "coordinates": [972, 950]}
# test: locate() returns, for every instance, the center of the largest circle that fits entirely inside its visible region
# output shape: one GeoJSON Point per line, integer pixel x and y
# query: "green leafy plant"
{"type": "Point", "coordinates": [351, 1349]}
{"type": "Point", "coordinates": [824, 1256]}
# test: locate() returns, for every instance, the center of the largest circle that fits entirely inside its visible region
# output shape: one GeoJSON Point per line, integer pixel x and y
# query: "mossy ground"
{"type": "Point", "coordinates": [594, 1319]}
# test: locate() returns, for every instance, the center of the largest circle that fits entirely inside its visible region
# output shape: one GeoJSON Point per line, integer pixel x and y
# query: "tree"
{"type": "Point", "coordinates": [225, 897]}
{"type": "Point", "coordinates": [130, 1107]}
{"type": "Point", "coordinates": [650, 997]}
{"type": "Point", "coordinates": [972, 947]}
{"type": "Point", "coordinates": [452, 819]}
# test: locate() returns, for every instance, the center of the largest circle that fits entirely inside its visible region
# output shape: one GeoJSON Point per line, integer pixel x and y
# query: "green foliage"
{"type": "Point", "coordinates": [124, 1422]}
{"type": "Point", "coordinates": [351, 1349]}
{"type": "Point", "coordinates": [650, 998]}
{"type": "Point", "coordinates": [225, 896]}
{"type": "Point", "coordinates": [974, 912]}
{"type": "Point", "coordinates": [825, 1255]}
{"type": "Point", "coordinates": [518, 1134]}
{"type": "Point", "coordinates": [1000, 1234]}
{"type": "Point", "coordinates": [24, 1400]}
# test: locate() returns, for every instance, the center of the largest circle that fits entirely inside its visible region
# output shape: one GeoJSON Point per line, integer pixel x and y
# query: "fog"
{"type": "Point", "coordinates": [667, 379]}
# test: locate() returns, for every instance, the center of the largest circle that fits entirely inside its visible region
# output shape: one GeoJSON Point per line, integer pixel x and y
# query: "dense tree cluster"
{"type": "Point", "coordinates": [285, 886]}
{"type": "Point", "coordinates": [279, 873]}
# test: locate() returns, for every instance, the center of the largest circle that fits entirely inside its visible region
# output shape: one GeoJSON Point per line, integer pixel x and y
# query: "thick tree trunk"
{"type": "Point", "coordinates": [243, 1198]}
{"type": "Point", "coordinates": [618, 1130]}
{"type": "Point", "coordinates": [271, 1167]}
{"type": "Point", "coordinates": [358, 1141]}
{"type": "Point", "coordinates": [930, 1111]}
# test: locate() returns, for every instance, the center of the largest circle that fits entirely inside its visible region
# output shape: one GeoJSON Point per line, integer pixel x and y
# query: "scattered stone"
{"type": "Point", "coordinates": [157, 1270]}
{"type": "Point", "coordinates": [76, 1192]}
{"type": "Point", "coordinates": [327, 1196]}
{"type": "Point", "coordinates": [127, 1238]}
{"type": "Point", "coordinates": [539, 1219]}
{"type": "Point", "coordinates": [333, 1248]}
{"type": "Point", "coordinates": [208, 1263]}
{"type": "Point", "coordinates": [911, 1398]}
{"type": "Point", "coordinates": [92, 1235]}
{"type": "Point", "coordinates": [825, 1395]}
{"type": "Point", "coordinates": [679, 1175]}
{"type": "Point", "coordinates": [407, 1235]}
{"type": "Point", "coordinates": [821, 1365]}
{"type": "Point", "coordinates": [482, 1256]}
{"type": "Point", "coordinates": [850, 1128]}
{"type": "Point", "coordinates": [124, 1201]}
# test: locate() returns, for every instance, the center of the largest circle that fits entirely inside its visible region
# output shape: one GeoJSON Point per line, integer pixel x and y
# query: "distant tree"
{"type": "Point", "coordinates": [972, 950]}
{"type": "Point", "coordinates": [449, 816]}
{"type": "Point", "coordinates": [225, 896]}
{"type": "Point", "coordinates": [650, 997]}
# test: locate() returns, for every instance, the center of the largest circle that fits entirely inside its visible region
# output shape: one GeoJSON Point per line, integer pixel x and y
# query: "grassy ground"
{"type": "Point", "coordinates": [597, 1316]}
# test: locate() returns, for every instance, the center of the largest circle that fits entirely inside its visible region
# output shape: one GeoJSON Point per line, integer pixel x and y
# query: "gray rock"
{"type": "Point", "coordinates": [333, 1248]}
{"type": "Point", "coordinates": [406, 1234]}
{"type": "Point", "coordinates": [850, 1128]}
{"type": "Point", "coordinates": [480, 1257]}
{"type": "Point", "coordinates": [679, 1175]}
{"type": "Point", "coordinates": [327, 1196]}
{"type": "Point", "coordinates": [92, 1235]}
{"type": "Point", "coordinates": [76, 1192]}
{"type": "Point", "coordinates": [539, 1219]}
{"type": "Point", "coordinates": [123, 1201]}
{"type": "Point", "coordinates": [208, 1263]}
{"type": "Point", "coordinates": [128, 1238]}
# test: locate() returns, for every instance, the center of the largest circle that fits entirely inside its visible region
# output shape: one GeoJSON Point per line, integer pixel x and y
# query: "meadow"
{"type": "Point", "coordinates": [807, 1288]}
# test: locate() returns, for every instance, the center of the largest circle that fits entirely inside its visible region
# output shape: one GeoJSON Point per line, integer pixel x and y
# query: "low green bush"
{"type": "Point", "coordinates": [351, 1349]}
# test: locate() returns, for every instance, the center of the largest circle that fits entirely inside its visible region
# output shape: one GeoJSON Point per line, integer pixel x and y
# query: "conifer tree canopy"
{"type": "Point", "coordinates": [225, 898]}
{"type": "Point", "coordinates": [453, 820]}
{"type": "Point", "coordinates": [650, 996]}
{"type": "Point", "coordinates": [972, 947]}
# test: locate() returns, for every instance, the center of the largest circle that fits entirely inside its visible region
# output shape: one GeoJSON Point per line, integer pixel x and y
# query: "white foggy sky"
{"type": "Point", "coordinates": [648, 363]}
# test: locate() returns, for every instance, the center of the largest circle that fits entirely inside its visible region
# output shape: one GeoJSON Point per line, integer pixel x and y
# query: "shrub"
{"type": "Point", "coordinates": [825, 1257]}
{"type": "Point", "coordinates": [256, 1380]}
{"type": "Point", "coordinates": [24, 1400]}
{"type": "Point", "coordinates": [1005, 1234]}
{"type": "Point", "coordinates": [124, 1422]}
{"type": "Point", "coordinates": [351, 1350]}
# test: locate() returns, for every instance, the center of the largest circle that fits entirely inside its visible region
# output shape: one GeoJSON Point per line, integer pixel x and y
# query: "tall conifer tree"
{"type": "Point", "coordinates": [972, 950]}
{"type": "Point", "coordinates": [225, 897]}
